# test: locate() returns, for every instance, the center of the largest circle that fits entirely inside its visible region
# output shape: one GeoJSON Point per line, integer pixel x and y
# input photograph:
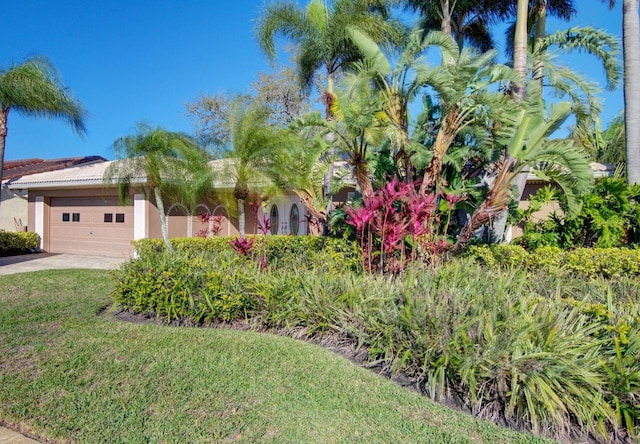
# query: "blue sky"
{"type": "Point", "coordinates": [141, 60]}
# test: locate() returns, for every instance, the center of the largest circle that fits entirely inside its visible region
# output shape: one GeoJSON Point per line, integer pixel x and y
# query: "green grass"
{"type": "Point", "coordinates": [69, 376]}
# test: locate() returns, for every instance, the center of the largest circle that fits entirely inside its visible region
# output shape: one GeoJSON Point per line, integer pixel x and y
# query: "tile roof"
{"type": "Point", "coordinates": [93, 174]}
{"type": "Point", "coordinates": [13, 169]}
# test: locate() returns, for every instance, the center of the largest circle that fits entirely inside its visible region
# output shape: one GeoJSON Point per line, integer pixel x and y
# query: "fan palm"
{"type": "Point", "coordinates": [171, 164]}
{"type": "Point", "coordinates": [320, 32]}
{"type": "Point", "coordinates": [33, 88]}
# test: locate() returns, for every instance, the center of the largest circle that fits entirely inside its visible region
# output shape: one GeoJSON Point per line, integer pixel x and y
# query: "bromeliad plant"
{"type": "Point", "coordinates": [397, 224]}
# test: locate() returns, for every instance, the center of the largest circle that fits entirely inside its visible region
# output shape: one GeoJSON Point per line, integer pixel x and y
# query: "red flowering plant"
{"type": "Point", "coordinates": [397, 224]}
{"type": "Point", "coordinates": [213, 224]}
{"type": "Point", "coordinates": [242, 245]}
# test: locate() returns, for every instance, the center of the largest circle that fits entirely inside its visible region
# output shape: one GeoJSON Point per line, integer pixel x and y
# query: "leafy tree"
{"type": "Point", "coordinates": [33, 88]}
{"type": "Point", "coordinates": [171, 164]}
{"type": "Point", "coordinates": [281, 92]}
{"type": "Point", "coordinates": [278, 90]}
{"type": "Point", "coordinates": [320, 33]}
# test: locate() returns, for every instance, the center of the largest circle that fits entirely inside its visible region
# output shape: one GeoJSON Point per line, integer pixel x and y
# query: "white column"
{"type": "Point", "coordinates": [139, 217]}
{"type": "Point", "coordinates": [39, 219]}
{"type": "Point", "coordinates": [189, 225]}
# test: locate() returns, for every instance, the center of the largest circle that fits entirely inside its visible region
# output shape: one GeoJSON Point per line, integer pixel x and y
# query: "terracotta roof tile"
{"type": "Point", "coordinates": [18, 168]}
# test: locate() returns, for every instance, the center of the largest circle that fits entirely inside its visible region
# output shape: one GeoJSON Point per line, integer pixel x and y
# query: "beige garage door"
{"type": "Point", "coordinates": [90, 225]}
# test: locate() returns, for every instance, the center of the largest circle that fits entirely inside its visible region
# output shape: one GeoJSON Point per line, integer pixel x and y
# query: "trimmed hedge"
{"type": "Point", "coordinates": [331, 254]}
{"type": "Point", "coordinates": [12, 243]}
{"type": "Point", "coordinates": [588, 262]}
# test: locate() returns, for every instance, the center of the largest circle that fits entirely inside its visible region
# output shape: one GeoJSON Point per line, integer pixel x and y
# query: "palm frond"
{"type": "Point", "coordinates": [34, 89]}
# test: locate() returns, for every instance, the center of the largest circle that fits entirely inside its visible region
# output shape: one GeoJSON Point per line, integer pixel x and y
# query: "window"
{"type": "Point", "coordinates": [274, 219]}
{"type": "Point", "coordinates": [76, 217]}
{"type": "Point", "coordinates": [119, 218]}
{"type": "Point", "coordinates": [294, 219]}
{"type": "Point", "coordinates": [108, 217]}
{"type": "Point", "coordinates": [65, 217]}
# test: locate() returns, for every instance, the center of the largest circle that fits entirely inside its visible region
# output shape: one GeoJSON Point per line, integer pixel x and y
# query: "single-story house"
{"type": "Point", "coordinates": [14, 209]}
{"type": "Point", "coordinates": [73, 211]}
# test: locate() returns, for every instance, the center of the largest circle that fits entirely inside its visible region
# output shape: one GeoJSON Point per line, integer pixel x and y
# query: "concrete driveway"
{"type": "Point", "coordinates": [48, 261]}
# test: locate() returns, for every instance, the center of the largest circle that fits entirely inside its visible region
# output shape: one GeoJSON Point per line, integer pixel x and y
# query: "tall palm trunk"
{"type": "Point", "coordinates": [520, 49]}
{"type": "Point", "coordinates": [541, 32]}
{"type": "Point", "coordinates": [499, 221]}
{"type": "Point", "coordinates": [164, 226]}
{"type": "Point", "coordinates": [631, 48]}
{"type": "Point", "coordinates": [241, 224]}
{"type": "Point", "coordinates": [445, 26]}
{"type": "Point", "coordinates": [446, 134]}
{"type": "Point", "coordinates": [3, 137]}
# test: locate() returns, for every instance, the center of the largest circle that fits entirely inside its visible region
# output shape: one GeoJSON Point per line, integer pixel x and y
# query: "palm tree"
{"type": "Point", "coordinates": [464, 20]}
{"type": "Point", "coordinates": [320, 32]}
{"type": "Point", "coordinates": [172, 165]}
{"type": "Point", "coordinates": [528, 147]}
{"type": "Point", "coordinates": [605, 146]}
{"type": "Point", "coordinates": [463, 83]}
{"type": "Point", "coordinates": [33, 88]}
{"type": "Point", "coordinates": [253, 150]}
{"type": "Point", "coordinates": [631, 62]}
{"type": "Point", "coordinates": [631, 50]}
{"type": "Point", "coordinates": [303, 167]}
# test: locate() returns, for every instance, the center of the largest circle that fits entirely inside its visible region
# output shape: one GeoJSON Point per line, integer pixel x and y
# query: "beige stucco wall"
{"type": "Point", "coordinates": [13, 207]}
{"type": "Point", "coordinates": [547, 209]}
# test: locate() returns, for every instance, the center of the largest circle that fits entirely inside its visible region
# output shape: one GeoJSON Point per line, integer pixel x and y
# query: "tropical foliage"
{"type": "Point", "coordinates": [171, 165]}
{"type": "Point", "coordinates": [609, 217]}
{"type": "Point", "coordinates": [33, 88]}
{"type": "Point", "coordinates": [320, 33]}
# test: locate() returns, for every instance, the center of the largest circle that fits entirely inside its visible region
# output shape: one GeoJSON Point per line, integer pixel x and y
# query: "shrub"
{"type": "Point", "coordinates": [609, 218]}
{"type": "Point", "coordinates": [182, 288]}
{"type": "Point", "coordinates": [327, 253]}
{"type": "Point", "coordinates": [587, 262]}
{"type": "Point", "coordinates": [18, 242]}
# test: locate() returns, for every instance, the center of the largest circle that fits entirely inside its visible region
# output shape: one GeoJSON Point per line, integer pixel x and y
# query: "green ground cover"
{"type": "Point", "coordinates": [70, 376]}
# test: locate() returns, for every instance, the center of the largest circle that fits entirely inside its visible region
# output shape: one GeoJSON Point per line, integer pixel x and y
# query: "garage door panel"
{"type": "Point", "coordinates": [91, 234]}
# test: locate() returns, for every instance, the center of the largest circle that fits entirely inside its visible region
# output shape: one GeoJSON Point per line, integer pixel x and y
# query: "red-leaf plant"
{"type": "Point", "coordinates": [242, 245]}
{"type": "Point", "coordinates": [395, 215]}
{"type": "Point", "coordinates": [212, 223]}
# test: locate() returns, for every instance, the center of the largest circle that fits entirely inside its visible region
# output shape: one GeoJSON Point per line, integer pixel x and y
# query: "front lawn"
{"type": "Point", "coordinates": [69, 376]}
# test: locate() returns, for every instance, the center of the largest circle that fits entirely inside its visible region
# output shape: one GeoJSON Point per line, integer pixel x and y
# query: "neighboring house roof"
{"type": "Point", "coordinates": [13, 169]}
